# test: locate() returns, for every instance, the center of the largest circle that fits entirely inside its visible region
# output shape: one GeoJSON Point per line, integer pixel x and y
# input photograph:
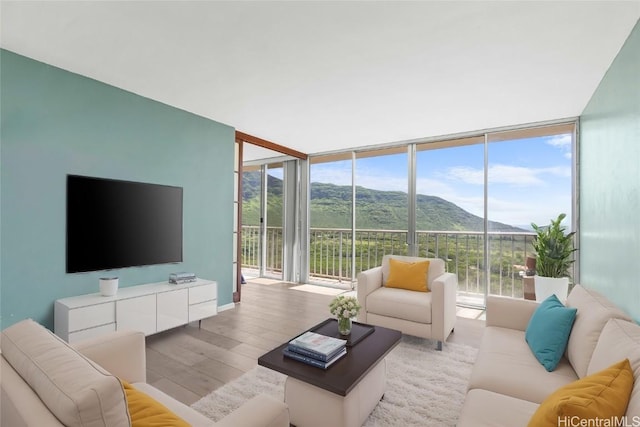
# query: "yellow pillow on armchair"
{"type": "Point", "coordinates": [408, 275]}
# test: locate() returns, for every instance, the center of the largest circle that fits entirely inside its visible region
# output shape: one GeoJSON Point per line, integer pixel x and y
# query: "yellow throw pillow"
{"type": "Point", "coordinates": [600, 396]}
{"type": "Point", "coordinates": [145, 411]}
{"type": "Point", "coordinates": [408, 275]}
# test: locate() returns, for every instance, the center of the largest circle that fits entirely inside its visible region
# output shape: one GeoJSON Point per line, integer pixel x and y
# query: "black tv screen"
{"type": "Point", "coordinates": [116, 224]}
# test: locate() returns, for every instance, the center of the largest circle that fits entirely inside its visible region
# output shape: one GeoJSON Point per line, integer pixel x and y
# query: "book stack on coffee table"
{"type": "Point", "coordinates": [316, 350]}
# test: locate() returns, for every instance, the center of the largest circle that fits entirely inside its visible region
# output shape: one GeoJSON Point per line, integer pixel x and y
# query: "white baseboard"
{"type": "Point", "coordinates": [226, 307]}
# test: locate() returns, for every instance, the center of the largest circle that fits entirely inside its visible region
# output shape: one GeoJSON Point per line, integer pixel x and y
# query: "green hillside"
{"type": "Point", "coordinates": [331, 208]}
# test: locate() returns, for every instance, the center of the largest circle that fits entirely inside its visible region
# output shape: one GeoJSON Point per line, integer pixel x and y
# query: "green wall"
{"type": "Point", "coordinates": [56, 123]}
{"type": "Point", "coordinates": [610, 182]}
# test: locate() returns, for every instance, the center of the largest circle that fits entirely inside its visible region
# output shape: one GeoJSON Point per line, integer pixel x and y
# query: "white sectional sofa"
{"type": "Point", "coordinates": [508, 383]}
{"type": "Point", "coordinates": [45, 382]}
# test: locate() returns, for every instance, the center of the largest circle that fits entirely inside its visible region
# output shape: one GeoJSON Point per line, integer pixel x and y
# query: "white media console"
{"type": "Point", "coordinates": [149, 308]}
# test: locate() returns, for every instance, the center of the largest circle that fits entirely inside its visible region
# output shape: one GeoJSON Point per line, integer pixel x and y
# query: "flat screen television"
{"type": "Point", "coordinates": [115, 224]}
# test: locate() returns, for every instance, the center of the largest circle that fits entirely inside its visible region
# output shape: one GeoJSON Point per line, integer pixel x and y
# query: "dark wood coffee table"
{"type": "Point", "coordinates": [345, 393]}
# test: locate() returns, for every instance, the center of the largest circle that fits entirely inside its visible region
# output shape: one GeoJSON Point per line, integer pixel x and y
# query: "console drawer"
{"type": "Point", "coordinates": [203, 293]}
{"type": "Point", "coordinates": [203, 310]}
{"type": "Point", "coordinates": [91, 316]}
{"type": "Point", "coordinates": [92, 332]}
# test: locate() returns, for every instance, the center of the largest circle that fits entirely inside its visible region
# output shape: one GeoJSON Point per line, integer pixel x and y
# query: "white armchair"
{"type": "Point", "coordinates": [422, 314]}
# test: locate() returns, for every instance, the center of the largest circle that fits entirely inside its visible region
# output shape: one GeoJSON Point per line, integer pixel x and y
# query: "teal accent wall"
{"type": "Point", "coordinates": [55, 123]}
{"type": "Point", "coordinates": [610, 182]}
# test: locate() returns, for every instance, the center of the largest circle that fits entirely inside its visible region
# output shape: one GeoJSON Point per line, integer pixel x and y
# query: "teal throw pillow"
{"type": "Point", "coordinates": [548, 331]}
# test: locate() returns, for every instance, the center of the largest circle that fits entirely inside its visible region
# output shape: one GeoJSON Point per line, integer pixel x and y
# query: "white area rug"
{"type": "Point", "coordinates": [425, 387]}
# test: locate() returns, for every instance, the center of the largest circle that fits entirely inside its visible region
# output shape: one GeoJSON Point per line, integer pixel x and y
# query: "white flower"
{"type": "Point", "coordinates": [344, 307]}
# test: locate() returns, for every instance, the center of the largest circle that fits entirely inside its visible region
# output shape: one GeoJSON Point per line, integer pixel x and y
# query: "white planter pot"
{"type": "Point", "coordinates": [108, 286]}
{"type": "Point", "coordinates": [546, 286]}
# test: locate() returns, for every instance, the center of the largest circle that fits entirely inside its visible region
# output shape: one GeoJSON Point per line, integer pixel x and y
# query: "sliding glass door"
{"type": "Point", "coordinates": [262, 202]}
{"type": "Point", "coordinates": [251, 246]}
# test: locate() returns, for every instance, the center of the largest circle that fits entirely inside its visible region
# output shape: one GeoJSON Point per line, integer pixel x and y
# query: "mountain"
{"type": "Point", "coordinates": [331, 208]}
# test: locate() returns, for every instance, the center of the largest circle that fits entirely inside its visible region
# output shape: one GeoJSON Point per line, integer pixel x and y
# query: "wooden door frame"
{"type": "Point", "coordinates": [240, 139]}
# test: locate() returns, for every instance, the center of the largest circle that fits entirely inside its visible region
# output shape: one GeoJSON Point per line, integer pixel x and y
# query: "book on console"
{"type": "Point", "coordinates": [313, 361]}
{"type": "Point", "coordinates": [316, 345]}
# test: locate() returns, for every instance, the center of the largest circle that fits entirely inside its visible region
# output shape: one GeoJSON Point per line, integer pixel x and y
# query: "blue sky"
{"type": "Point", "coordinates": [529, 179]}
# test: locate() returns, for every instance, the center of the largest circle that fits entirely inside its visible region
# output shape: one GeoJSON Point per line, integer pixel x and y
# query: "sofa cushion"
{"type": "Point", "coordinates": [594, 310]}
{"type": "Point", "coordinates": [483, 408]}
{"type": "Point", "coordinates": [600, 396]}
{"type": "Point", "coordinates": [401, 304]}
{"type": "Point", "coordinates": [77, 391]}
{"type": "Point", "coordinates": [411, 276]}
{"type": "Point", "coordinates": [548, 331]}
{"type": "Point", "coordinates": [146, 411]}
{"type": "Point", "coordinates": [189, 415]}
{"type": "Point", "coordinates": [19, 405]}
{"type": "Point", "coordinates": [436, 266]}
{"type": "Point", "coordinates": [506, 365]}
{"type": "Point", "coordinates": [620, 339]}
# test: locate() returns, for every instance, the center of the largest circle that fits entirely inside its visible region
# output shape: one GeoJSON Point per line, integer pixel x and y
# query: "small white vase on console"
{"type": "Point", "coordinates": [108, 286]}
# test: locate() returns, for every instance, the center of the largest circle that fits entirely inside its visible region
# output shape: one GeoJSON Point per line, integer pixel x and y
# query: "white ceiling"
{"type": "Point", "coordinates": [324, 76]}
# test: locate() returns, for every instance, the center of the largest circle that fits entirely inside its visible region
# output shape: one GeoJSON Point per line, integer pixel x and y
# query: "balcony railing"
{"type": "Point", "coordinates": [331, 255]}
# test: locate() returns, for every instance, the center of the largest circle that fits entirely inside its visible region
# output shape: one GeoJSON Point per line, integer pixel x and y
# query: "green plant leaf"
{"type": "Point", "coordinates": [554, 249]}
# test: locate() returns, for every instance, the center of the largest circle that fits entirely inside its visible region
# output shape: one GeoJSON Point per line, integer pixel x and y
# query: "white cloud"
{"type": "Point", "coordinates": [381, 182]}
{"type": "Point", "coordinates": [502, 208]}
{"type": "Point", "coordinates": [561, 171]}
{"type": "Point", "coordinates": [512, 212]}
{"type": "Point", "coordinates": [368, 178]}
{"type": "Point", "coordinates": [474, 205]}
{"type": "Point", "coordinates": [382, 179]}
{"type": "Point", "coordinates": [562, 141]}
{"type": "Point", "coordinates": [516, 176]}
{"type": "Point", "coordinates": [334, 174]}
{"type": "Point", "coordinates": [498, 174]}
{"type": "Point", "coordinates": [432, 187]}
{"type": "Point", "coordinates": [515, 212]}
{"type": "Point", "coordinates": [465, 174]}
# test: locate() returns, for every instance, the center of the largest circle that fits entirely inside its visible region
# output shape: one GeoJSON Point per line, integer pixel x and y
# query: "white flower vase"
{"type": "Point", "coordinates": [344, 325]}
{"type": "Point", "coordinates": [108, 286]}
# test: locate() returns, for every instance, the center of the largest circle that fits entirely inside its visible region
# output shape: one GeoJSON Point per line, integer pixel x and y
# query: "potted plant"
{"type": "Point", "coordinates": [554, 255]}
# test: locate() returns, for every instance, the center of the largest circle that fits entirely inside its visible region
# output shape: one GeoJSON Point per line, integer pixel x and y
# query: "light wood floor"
{"type": "Point", "coordinates": [189, 362]}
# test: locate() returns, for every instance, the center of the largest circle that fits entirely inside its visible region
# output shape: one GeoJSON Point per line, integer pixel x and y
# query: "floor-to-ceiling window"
{"type": "Point", "coordinates": [468, 199]}
{"type": "Point", "coordinates": [529, 180]}
{"type": "Point", "coordinates": [450, 210]}
{"type": "Point", "coordinates": [330, 218]}
{"type": "Point", "coordinates": [382, 205]}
